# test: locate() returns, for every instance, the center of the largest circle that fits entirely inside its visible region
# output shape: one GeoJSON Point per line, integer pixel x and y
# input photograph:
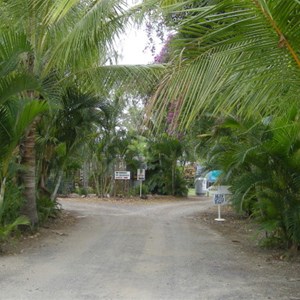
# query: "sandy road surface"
{"type": "Point", "coordinates": [141, 251]}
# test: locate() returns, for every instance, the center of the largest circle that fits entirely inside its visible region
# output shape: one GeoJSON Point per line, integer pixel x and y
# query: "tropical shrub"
{"type": "Point", "coordinates": [136, 190]}
{"type": "Point", "coordinates": [164, 176]}
{"type": "Point", "coordinates": [6, 230]}
{"type": "Point", "coordinates": [260, 160]}
{"type": "Point", "coordinates": [47, 208]}
{"type": "Point", "coordinates": [10, 209]}
{"type": "Point", "coordinates": [10, 218]}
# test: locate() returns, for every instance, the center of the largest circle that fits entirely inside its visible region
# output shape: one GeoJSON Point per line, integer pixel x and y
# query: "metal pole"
{"type": "Point", "coordinates": [219, 214]}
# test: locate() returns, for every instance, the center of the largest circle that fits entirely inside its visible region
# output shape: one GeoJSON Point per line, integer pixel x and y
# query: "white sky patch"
{"type": "Point", "coordinates": [133, 50]}
{"type": "Point", "coordinates": [133, 47]}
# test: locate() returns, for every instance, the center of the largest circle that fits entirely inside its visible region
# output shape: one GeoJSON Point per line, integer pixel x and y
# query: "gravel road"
{"type": "Point", "coordinates": [141, 251]}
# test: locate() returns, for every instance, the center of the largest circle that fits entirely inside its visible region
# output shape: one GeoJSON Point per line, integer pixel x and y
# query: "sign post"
{"type": "Point", "coordinates": [121, 183]}
{"type": "Point", "coordinates": [141, 177]}
{"type": "Point", "coordinates": [219, 198]}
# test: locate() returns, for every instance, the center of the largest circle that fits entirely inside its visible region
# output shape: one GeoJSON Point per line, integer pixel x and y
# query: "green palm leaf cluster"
{"type": "Point", "coordinates": [15, 118]}
{"type": "Point", "coordinates": [232, 56]}
{"type": "Point", "coordinates": [164, 176]}
{"type": "Point", "coordinates": [6, 230]}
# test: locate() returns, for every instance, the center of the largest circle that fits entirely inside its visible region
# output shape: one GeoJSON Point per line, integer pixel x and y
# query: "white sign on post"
{"type": "Point", "coordinates": [125, 175]}
{"type": "Point", "coordinates": [141, 174]}
{"type": "Point", "coordinates": [219, 198]}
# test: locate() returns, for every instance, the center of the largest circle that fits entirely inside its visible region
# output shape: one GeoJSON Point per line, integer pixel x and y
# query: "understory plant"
{"type": "Point", "coordinates": [10, 218]}
{"type": "Point", "coordinates": [6, 230]}
{"type": "Point", "coordinates": [164, 174]}
{"type": "Point", "coordinates": [260, 160]}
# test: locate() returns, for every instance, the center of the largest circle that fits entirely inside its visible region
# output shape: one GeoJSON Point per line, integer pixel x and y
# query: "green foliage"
{"type": "Point", "coordinates": [160, 182]}
{"type": "Point", "coordinates": [260, 163]}
{"type": "Point", "coordinates": [10, 217]}
{"type": "Point", "coordinates": [136, 190]}
{"type": "Point", "coordinates": [227, 58]}
{"type": "Point", "coordinates": [164, 176]}
{"type": "Point", "coordinates": [47, 209]}
{"type": "Point", "coordinates": [181, 186]}
{"type": "Point", "coordinates": [46, 47]}
{"type": "Point", "coordinates": [10, 210]}
{"type": "Point", "coordinates": [81, 191]}
{"type": "Point", "coordinates": [15, 116]}
{"type": "Point", "coordinates": [6, 230]}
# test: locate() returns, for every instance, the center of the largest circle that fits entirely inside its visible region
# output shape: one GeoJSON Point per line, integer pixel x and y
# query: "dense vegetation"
{"type": "Point", "coordinates": [225, 90]}
{"type": "Point", "coordinates": [63, 127]}
{"type": "Point", "coordinates": [234, 79]}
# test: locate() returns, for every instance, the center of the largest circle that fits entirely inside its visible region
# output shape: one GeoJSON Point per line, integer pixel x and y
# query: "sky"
{"type": "Point", "coordinates": [132, 46]}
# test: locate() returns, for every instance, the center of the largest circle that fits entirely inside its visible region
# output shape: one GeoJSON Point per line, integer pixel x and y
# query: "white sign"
{"type": "Point", "coordinates": [141, 174]}
{"type": "Point", "coordinates": [125, 175]}
{"type": "Point", "coordinates": [219, 193]}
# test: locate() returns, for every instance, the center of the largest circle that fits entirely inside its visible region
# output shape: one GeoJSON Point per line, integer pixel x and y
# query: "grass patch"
{"type": "Point", "coordinates": [191, 192]}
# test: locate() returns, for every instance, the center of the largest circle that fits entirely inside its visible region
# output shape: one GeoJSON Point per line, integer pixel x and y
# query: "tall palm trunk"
{"type": "Point", "coordinates": [28, 160]}
{"type": "Point", "coordinates": [28, 176]}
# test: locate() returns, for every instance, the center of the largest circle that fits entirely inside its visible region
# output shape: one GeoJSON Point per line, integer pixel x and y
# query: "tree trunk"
{"type": "Point", "coordinates": [28, 176]}
{"type": "Point", "coordinates": [85, 176]}
{"type": "Point", "coordinates": [2, 192]}
{"type": "Point", "coordinates": [42, 188]}
{"type": "Point", "coordinates": [54, 194]}
{"type": "Point", "coordinates": [173, 177]}
{"type": "Point", "coordinates": [96, 181]}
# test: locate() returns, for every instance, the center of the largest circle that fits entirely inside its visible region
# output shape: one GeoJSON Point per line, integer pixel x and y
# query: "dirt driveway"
{"type": "Point", "coordinates": [123, 250]}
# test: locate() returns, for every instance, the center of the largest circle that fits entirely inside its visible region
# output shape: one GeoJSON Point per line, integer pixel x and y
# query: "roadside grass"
{"type": "Point", "coordinates": [191, 192]}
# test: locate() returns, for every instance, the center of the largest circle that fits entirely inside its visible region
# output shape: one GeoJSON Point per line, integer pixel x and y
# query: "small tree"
{"type": "Point", "coordinates": [164, 174]}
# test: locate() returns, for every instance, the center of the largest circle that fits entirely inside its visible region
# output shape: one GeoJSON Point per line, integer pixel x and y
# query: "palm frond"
{"type": "Point", "coordinates": [230, 57]}
{"type": "Point", "coordinates": [131, 78]}
{"type": "Point", "coordinates": [13, 47]}
{"type": "Point", "coordinates": [27, 113]}
{"type": "Point", "coordinates": [93, 33]}
{"type": "Point", "coordinates": [16, 84]}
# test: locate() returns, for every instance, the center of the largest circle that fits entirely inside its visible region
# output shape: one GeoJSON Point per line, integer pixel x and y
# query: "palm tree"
{"type": "Point", "coordinates": [239, 56]}
{"type": "Point", "coordinates": [16, 116]}
{"type": "Point", "coordinates": [164, 175]}
{"type": "Point", "coordinates": [62, 134]}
